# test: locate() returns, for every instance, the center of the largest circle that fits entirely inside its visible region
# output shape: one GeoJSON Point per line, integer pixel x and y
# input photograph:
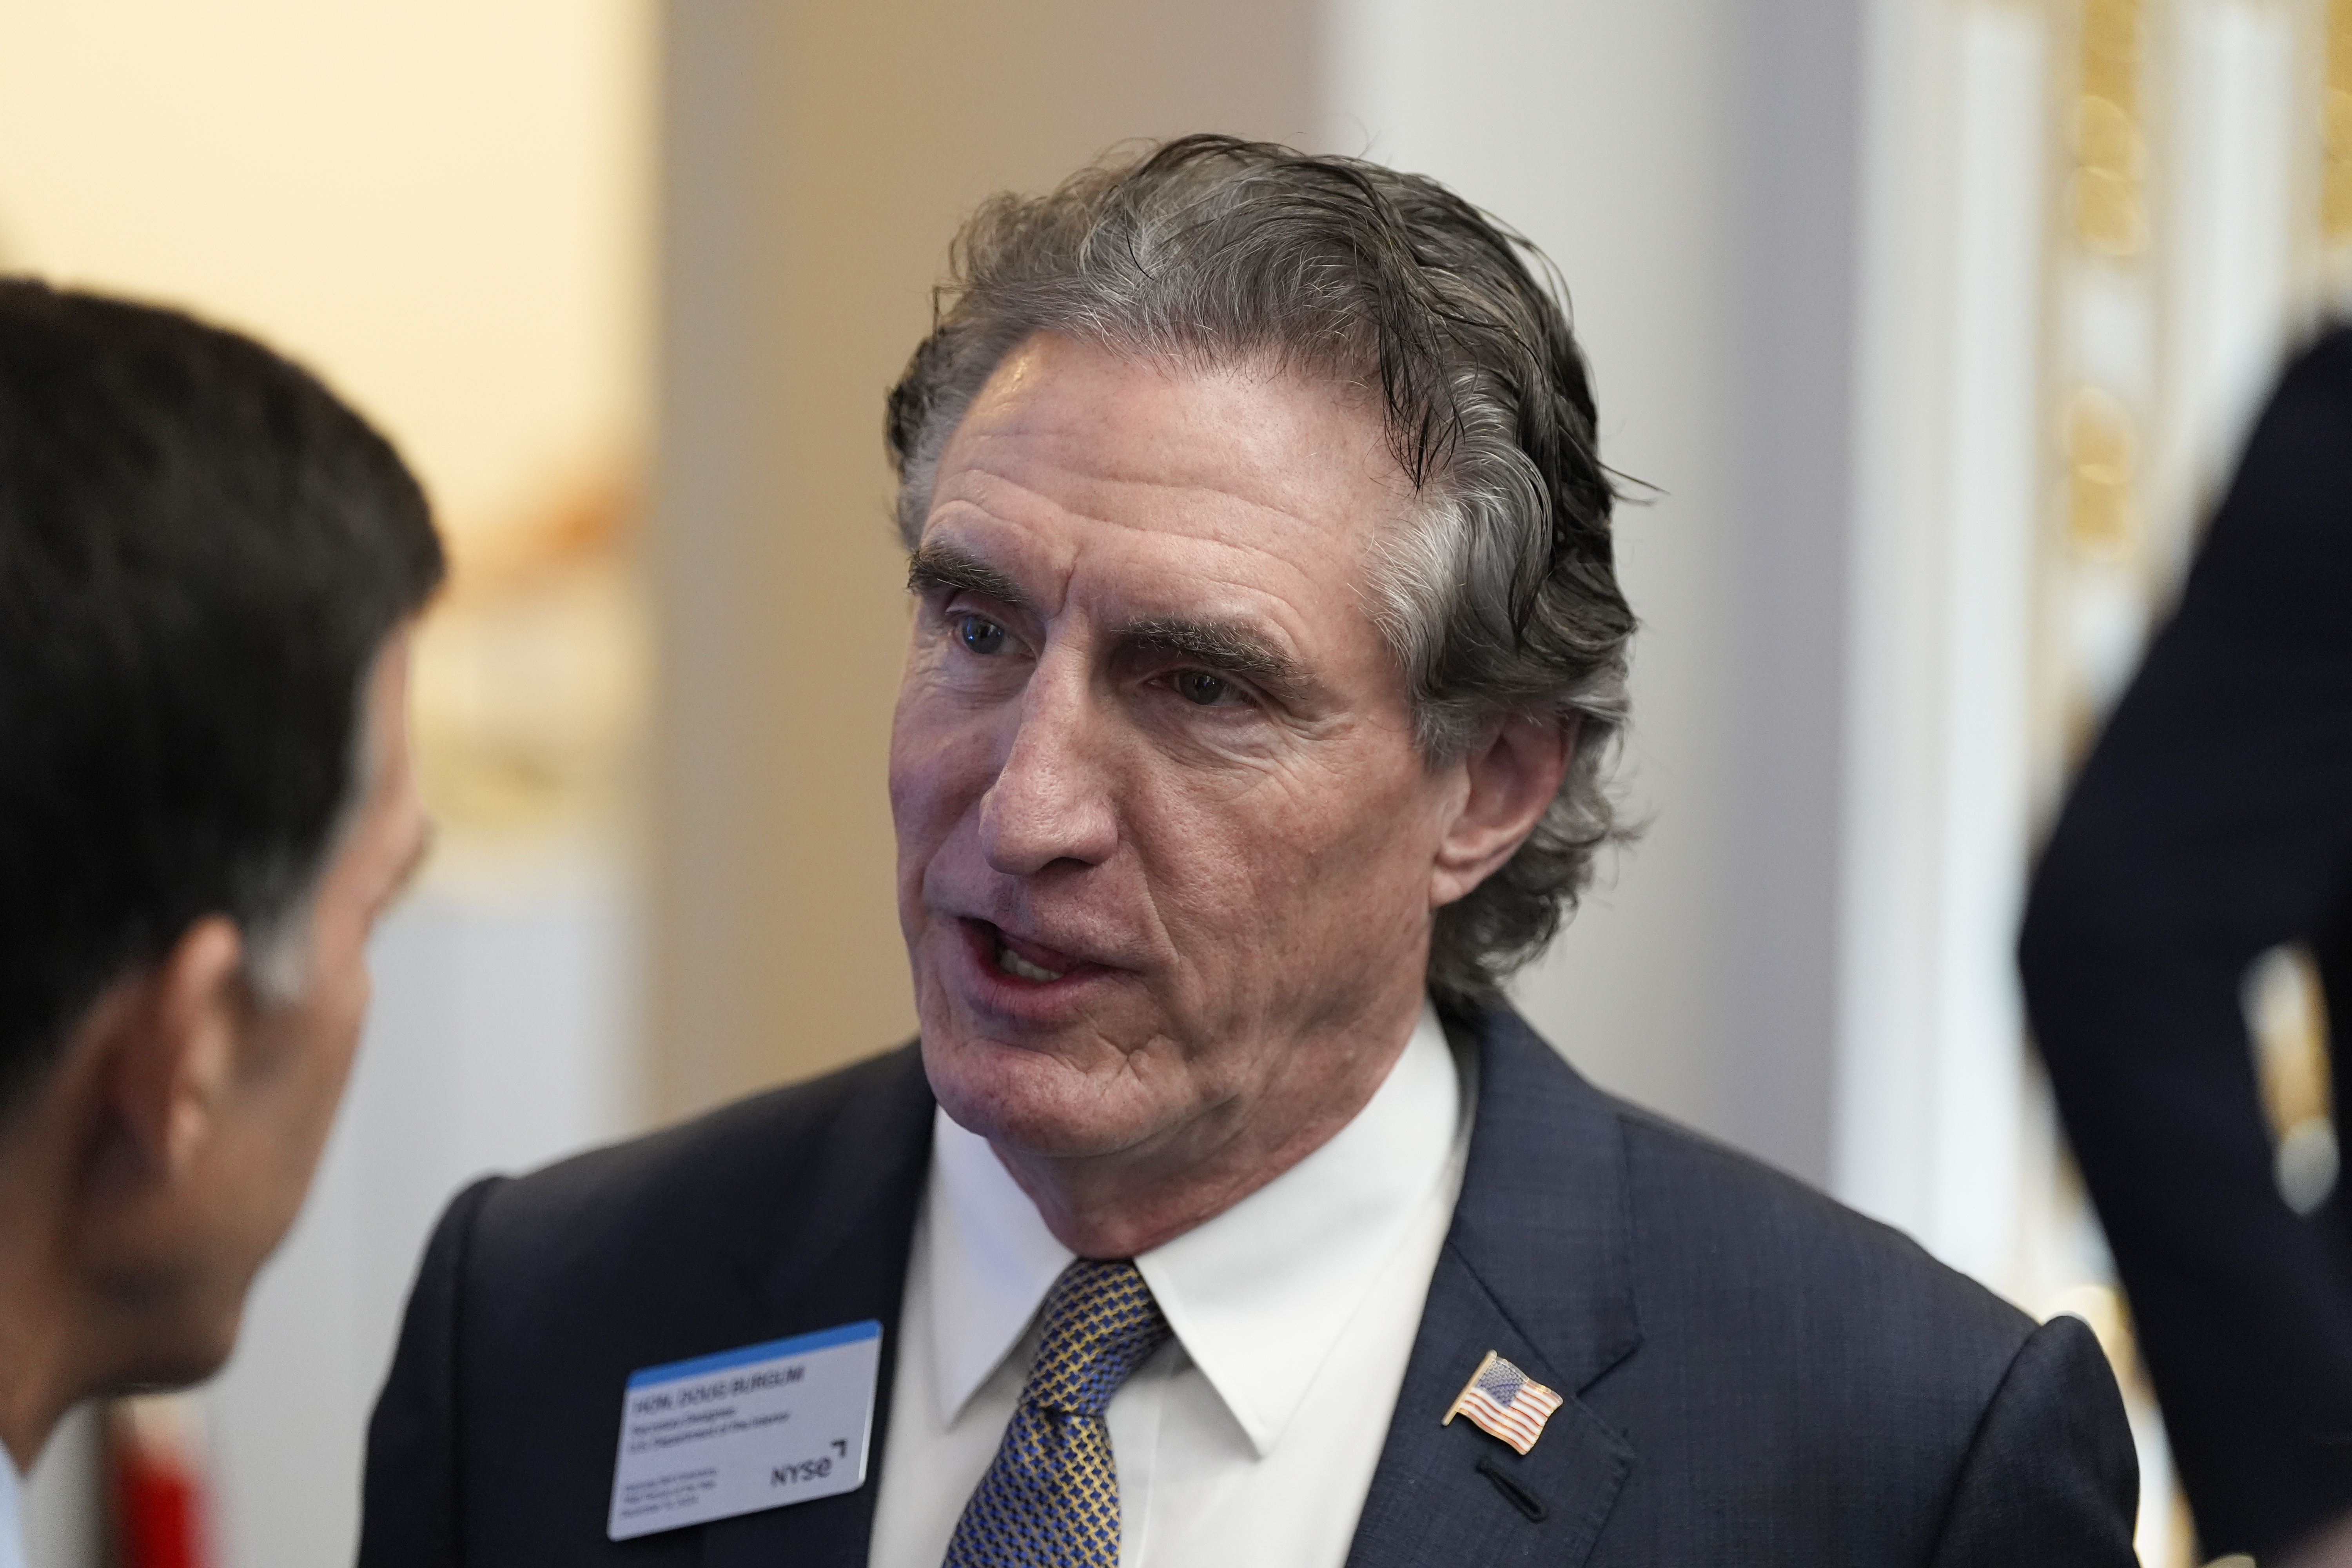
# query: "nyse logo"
{"type": "Point", "coordinates": [807, 1470]}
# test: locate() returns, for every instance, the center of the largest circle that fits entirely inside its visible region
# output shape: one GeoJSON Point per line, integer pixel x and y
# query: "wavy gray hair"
{"type": "Point", "coordinates": [1503, 598]}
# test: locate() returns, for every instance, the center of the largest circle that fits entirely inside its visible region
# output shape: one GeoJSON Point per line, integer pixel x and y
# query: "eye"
{"type": "Point", "coordinates": [979, 634]}
{"type": "Point", "coordinates": [1202, 688]}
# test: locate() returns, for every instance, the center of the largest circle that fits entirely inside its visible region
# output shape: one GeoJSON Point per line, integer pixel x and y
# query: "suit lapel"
{"type": "Point", "coordinates": [1536, 1268]}
{"type": "Point", "coordinates": [834, 1251]}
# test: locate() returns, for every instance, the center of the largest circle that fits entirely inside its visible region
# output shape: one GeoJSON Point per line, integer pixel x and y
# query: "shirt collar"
{"type": "Point", "coordinates": [1257, 1294]}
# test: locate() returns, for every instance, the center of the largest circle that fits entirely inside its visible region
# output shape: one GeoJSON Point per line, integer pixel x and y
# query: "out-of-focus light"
{"type": "Point", "coordinates": [2335, 128]}
{"type": "Point", "coordinates": [2102, 460]}
{"type": "Point", "coordinates": [532, 681]}
{"type": "Point", "coordinates": [2108, 187]}
{"type": "Point", "coordinates": [2286, 1019]}
{"type": "Point", "coordinates": [2307, 1163]}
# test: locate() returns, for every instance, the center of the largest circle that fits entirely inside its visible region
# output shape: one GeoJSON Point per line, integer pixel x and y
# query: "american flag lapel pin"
{"type": "Point", "coordinates": [1503, 1402]}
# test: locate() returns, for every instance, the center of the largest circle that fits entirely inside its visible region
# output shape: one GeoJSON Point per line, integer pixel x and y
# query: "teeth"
{"type": "Point", "coordinates": [1013, 962]}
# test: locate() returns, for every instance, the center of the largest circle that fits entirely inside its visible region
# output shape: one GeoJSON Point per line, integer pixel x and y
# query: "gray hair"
{"type": "Point", "coordinates": [1502, 599]}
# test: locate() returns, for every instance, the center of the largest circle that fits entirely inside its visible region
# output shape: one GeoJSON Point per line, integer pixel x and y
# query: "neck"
{"type": "Point", "coordinates": [1126, 1204]}
{"type": "Point", "coordinates": [62, 1334]}
{"type": "Point", "coordinates": [38, 1384]}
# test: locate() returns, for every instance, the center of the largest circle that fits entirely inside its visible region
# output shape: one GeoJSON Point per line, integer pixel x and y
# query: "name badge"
{"type": "Point", "coordinates": [745, 1429]}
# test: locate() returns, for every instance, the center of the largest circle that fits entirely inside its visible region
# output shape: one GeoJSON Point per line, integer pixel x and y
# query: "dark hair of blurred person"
{"type": "Point", "coordinates": [208, 568]}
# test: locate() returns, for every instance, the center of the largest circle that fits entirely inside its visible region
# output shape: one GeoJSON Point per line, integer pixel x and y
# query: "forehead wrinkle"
{"type": "Point", "coordinates": [1360, 436]}
{"type": "Point", "coordinates": [965, 530]}
{"type": "Point", "coordinates": [1074, 472]}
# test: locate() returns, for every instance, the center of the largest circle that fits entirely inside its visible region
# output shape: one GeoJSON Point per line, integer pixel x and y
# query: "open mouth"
{"type": "Point", "coordinates": [1023, 960]}
{"type": "Point", "coordinates": [1013, 962]}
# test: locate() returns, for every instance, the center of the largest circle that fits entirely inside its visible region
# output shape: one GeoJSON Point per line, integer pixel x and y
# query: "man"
{"type": "Point", "coordinates": [208, 567]}
{"type": "Point", "coordinates": [2214, 821]}
{"type": "Point", "coordinates": [1265, 649]}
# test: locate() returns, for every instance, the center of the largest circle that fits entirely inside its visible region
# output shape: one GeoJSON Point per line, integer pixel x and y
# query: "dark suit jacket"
{"type": "Point", "coordinates": [2213, 821]}
{"type": "Point", "coordinates": [1755, 1375]}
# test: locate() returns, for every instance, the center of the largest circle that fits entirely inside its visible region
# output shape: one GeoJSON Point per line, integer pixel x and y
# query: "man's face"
{"type": "Point", "coordinates": [294, 1055]}
{"type": "Point", "coordinates": [1165, 845]}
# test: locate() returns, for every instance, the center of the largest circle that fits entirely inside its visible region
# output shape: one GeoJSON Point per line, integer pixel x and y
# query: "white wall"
{"type": "Point", "coordinates": [1689, 164]}
{"type": "Point", "coordinates": [1931, 1095]}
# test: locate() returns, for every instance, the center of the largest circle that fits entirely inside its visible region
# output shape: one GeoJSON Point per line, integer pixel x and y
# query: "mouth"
{"type": "Point", "coordinates": [1014, 958]}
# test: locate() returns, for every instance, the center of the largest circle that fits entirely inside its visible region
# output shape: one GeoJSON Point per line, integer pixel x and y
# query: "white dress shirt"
{"type": "Point", "coordinates": [1252, 1436]}
{"type": "Point", "coordinates": [12, 1511]}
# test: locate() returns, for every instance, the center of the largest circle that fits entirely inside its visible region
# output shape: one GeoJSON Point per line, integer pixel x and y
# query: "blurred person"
{"type": "Point", "coordinates": [2213, 822]}
{"type": "Point", "coordinates": [1265, 654]}
{"type": "Point", "coordinates": [208, 570]}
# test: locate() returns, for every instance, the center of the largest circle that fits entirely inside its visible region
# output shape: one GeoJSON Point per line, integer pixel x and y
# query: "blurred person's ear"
{"type": "Point", "coordinates": [113, 1162]}
{"type": "Point", "coordinates": [171, 1046]}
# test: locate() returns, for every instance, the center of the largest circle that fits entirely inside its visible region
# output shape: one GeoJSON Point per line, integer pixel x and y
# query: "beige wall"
{"type": "Point", "coordinates": [817, 159]}
{"type": "Point", "coordinates": [441, 205]}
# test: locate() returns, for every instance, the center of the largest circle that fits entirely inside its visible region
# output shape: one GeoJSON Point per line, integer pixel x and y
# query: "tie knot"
{"type": "Point", "coordinates": [1101, 1323]}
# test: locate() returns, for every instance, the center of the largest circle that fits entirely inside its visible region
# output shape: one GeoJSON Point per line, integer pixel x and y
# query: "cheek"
{"type": "Point", "coordinates": [1329, 844]}
{"type": "Point", "coordinates": [338, 1008]}
{"type": "Point", "coordinates": [1379, 845]}
{"type": "Point", "coordinates": [942, 761]}
{"type": "Point", "coordinates": [308, 1064]}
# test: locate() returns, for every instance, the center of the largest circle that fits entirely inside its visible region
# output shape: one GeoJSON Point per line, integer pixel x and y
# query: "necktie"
{"type": "Point", "coordinates": [1051, 1500]}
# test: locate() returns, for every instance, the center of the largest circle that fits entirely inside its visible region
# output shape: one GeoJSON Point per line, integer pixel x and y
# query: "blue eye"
{"type": "Point", "coordinates": [980, 634]}
{"type": "Point", "coordinates": [1200, 688]}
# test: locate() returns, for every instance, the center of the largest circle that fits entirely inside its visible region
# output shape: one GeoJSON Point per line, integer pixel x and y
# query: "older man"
{"type": "Point", "coordinates": [208, 567]}
{"type": "Point", "coordinates": [1265, 650]}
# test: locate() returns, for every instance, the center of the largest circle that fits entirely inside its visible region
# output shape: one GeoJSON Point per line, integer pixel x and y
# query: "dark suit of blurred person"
{"type": "Point", "coordinates": [2214, 821]}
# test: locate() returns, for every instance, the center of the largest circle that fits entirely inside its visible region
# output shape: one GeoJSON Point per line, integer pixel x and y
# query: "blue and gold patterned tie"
{"type": "Point", "coordinates": [1051, 1500]}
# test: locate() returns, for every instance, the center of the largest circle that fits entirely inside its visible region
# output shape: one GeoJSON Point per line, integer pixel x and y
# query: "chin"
{"type": "Point", "coordinates": [1032, 1100]}
{"type": "Point", "coordinates": [191, 1356]}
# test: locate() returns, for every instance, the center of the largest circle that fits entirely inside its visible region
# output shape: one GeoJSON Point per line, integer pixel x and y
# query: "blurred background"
{"type": "Point", "coordinates": [1934, 323]}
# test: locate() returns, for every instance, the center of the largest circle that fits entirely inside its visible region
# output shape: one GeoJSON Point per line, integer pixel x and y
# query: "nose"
{"type": "Point", "coordinates": [1050, 801]}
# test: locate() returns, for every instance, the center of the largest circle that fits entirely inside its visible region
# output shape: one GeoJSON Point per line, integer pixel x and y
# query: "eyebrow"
{"type": "Point", "coordinates": [1222, 643]}
{"type": "Point", "coordinates": [942, 569]}
{"type": "Point", "coordinates": [1231, 645]}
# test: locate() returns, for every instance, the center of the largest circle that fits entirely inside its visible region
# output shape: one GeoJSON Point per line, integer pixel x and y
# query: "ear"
{"type": "Point", "coordinates": [1511, 777]}
{"type": "Point", "coordinates": [174, 1044]}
